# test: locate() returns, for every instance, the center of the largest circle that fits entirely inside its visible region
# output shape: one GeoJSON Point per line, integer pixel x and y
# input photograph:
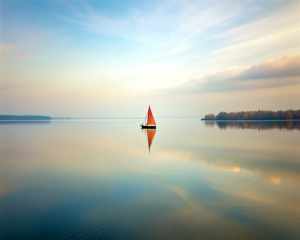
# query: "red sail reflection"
{"type": "Point", "coordinates": [150, 135]}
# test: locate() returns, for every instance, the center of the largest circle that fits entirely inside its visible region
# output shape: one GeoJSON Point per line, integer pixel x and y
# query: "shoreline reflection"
{"type": "Point", "coordinates": [259, 125]}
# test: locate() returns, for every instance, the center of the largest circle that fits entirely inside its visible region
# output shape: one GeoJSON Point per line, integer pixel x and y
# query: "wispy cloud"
{"type": "Point", "coordinates": [175, 26]}
{"type": "Point", "coordinates": [216, 35]}
{"type": "Point", "coordinates": [275, 34]}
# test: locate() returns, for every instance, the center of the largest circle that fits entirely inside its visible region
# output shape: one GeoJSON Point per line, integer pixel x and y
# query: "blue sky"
{"type": "Point", "coordinates": [114, 58]}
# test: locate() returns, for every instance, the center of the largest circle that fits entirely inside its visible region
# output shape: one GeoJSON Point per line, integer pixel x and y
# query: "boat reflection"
{"type": "Point", "coordinates": [259, 125]}
{"type": "Point", "coordinates": [150, 136]}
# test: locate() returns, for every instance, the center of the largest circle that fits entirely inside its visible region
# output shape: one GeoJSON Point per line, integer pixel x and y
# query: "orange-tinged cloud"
{"type": "Point", "coordinates": [270, 74]}
{"type": "Point", "coordinates": [275, 180]}
{"type": "Point", "coordinates": [286, 66]}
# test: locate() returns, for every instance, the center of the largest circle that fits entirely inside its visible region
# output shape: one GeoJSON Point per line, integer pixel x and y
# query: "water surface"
{"type": "Point", "coordinates": [98, 179]}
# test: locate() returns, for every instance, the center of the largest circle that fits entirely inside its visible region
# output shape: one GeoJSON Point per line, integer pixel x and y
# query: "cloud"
{"type": "Point", "coordinates": [287, 66]}
{"type": "Point", "coordinates": [225, 75]}
{"type": "Point", "coordinates": [274, 33]}
{"type": "Point", "coordinates": [172, 26]}
{"type": "Point", "coordinates": [271, 73]}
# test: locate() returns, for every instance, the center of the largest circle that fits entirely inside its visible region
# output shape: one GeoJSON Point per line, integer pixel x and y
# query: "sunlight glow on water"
{"type": "Point", "coordinates": [97, 180]}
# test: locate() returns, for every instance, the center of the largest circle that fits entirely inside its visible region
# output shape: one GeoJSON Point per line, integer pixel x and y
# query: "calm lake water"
{"type": "Point", "coordinates": [97, 179]}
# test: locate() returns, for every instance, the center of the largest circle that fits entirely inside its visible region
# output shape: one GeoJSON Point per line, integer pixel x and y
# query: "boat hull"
{"type": "Point", "coordinates": [148, 126]}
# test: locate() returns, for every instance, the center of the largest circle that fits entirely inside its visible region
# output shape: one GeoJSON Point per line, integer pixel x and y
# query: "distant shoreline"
{"type": "Point", "coordinates": [24, 118]}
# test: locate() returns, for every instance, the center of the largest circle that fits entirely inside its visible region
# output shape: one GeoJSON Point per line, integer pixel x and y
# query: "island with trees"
{"type": "Point", "coordinates": [255, 115]}
{"type": "Point", "coordinates": [24, 118]}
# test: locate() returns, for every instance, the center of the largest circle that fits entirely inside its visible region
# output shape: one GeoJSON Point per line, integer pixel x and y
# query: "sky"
{"type": "Point", "coordinates": [112, 58]}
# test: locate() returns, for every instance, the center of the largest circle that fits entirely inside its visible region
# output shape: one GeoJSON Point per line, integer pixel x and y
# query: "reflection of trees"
{"type": "Point", "coordinates": [260, 125]}
{"type": "Point", "coordinates": [210, 124]}
{"type": "Point", "coordinates": [255, 115]}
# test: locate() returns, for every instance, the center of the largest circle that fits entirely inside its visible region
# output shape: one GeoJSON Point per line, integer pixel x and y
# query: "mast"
{"type": "Point", "coordinates": [146, 118]}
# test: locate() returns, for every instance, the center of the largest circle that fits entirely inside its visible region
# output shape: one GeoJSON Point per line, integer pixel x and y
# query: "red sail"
{"type": "Point", "coordinates": [151, 120]}
{"type": "Point", "coordinates": [150, 133]}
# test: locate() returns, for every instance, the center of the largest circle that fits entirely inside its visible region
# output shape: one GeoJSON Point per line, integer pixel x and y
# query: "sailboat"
{"type": "Point", "coordinates": [149, 120]}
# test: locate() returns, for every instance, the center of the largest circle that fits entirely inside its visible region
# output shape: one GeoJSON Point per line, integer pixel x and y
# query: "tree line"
{"type": "Point", "coordinates": [255, 115]}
